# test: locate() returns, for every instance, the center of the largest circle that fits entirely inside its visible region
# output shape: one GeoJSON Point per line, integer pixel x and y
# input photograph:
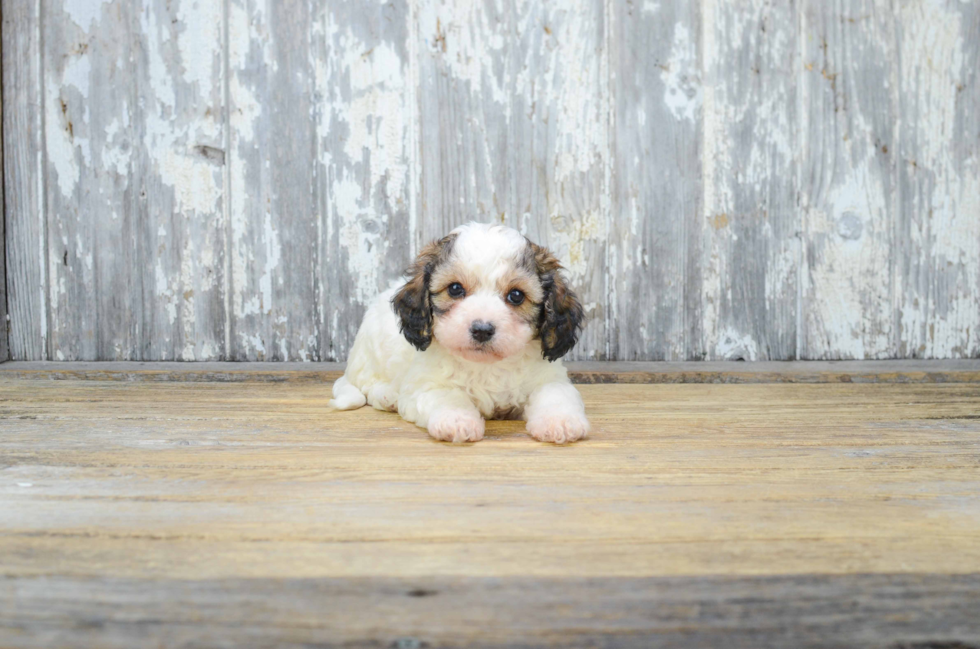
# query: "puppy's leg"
{"type": "Point", "coordinates": [449, 415]}
{"type": "Point", "coordinates": [555, 413]}
{"type": "Point", "coordinates": [346, 396]}
{"type": "Point", "coordinates": [383, 396]}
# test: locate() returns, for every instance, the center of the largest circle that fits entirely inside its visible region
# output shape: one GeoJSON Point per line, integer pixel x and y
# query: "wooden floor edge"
{"type": "Point", "coordinates": [874, 611]}
{"type": "Point", "coordinates": [944, 371]}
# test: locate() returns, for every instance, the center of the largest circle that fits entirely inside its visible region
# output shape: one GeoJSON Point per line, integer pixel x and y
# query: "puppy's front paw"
{"type": "Point", "coordinates": [457, 426]}
{"type": "Point", "coordinates": [558, 429]}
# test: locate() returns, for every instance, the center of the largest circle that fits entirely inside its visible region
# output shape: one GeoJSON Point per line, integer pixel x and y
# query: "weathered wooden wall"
{"type": "Point", "coordinates": [4, 344]}
{"type": "Point", "coordinates": [235, 179]}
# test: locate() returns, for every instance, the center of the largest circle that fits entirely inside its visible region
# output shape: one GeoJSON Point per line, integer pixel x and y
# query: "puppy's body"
{"type": "Point", "coordinates": [467, 337]}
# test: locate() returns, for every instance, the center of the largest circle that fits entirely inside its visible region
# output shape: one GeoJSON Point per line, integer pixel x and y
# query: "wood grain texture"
{"type": "Point", "coordinates": [274, 224]}
{"type": "Point", "coordinates": [4, 327]}
{"type": "Point", "coordinates": [655, 258]}
{"type": "Point", "coordinates": [893, 611]}
{"type": "Point", "coordinates": [135, 510]}
{"type": "Point", "coordinates": [92, 188]}
{"type": "Point", "coordinates": [23, 177]}
{"type": "Point", "coordinates": [937, 160]}
{"type": "Point", "coordinates": [366, 160]}
{"type": "Point", "coordinates": [848, 187]}
{"type": "Point", "coordinates": [180, 168]}
{"type": "Point", "coordinates": [751, 244]}
{"type": "Point", "coordinates": [756, 180]}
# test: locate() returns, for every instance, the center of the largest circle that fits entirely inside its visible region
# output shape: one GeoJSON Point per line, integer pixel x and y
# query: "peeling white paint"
{"type": "Point", "coordinates": [571, 71]}
{"type": "Point", "coordinates": [849, 287]}
{"type": "Point", "coordinates": [715, 196]}
{"type": "Point", "coordinates": [735, 346]}
{"type": "Point", "coordinates": [466, 38]}
{"type": "Point", "coordinates": [246, 111]}
{"type": "Point", "coordinates": [84, 12]}
{"type": "Point", "coordinates": [376, 110]}
{"type": "Point", "coordinates": [248, 40]}
{"type": "Point", "coordinates": [371, 176]}
{"type": "Point", "coordinates": [273, 254]}
{"type": "Point", "coordinates": [117, 153]}
{"type": "Point", "coordinates": [183, 78]}
{"type": "Point", "coordinates": [937, 318]}
{"type": "Point", "coordinates": [246, 31]}
{"type": "Point", "coordinates": [650, 7]}
{"type": "Point", "coordinates": [253, 344]}
{"type": "Point", "coordinates": [748, 139]}
{"type": "Point", "coordinates": [682, 76]}
{"type": "Point", "coordinates": [165, 292]}
{"type": "Point", "coordinates": [59, 142]}
{"type": "Point", "coordinates": [78, 71]}
{"type": "Point", "coordinates": [541, 71]}
{"type": "Point", "coordinates": [362, 247]}
{"type": "Point", "coordinates": [250, 306]}
{"type": "Point", "coordinates": [199, 31]}
{"type": "Point", "coordinates": [195, 182]}
{"type": "Point", "coordinates": [571, 239]}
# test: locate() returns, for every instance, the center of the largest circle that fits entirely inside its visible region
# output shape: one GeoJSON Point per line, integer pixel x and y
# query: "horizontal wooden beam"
{"type": "Point", "coordinates": [897, 371]}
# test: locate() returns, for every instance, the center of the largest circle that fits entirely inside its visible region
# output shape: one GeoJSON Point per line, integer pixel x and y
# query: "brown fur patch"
{"type": "Point", "coordinates": [442, 277]}
{"type": "Point", "coordinates": [539, 260]}
{"type": "Point", "coordinates": [530, 285]}
{"type": "Point", "coordinates": [521, 278]}
{"type": "Point", "coordinates": [562, 316]}
{"type": "Point", "coordinates": [448, 273]}
{"type": "Point", "coordinates": [413, 302]}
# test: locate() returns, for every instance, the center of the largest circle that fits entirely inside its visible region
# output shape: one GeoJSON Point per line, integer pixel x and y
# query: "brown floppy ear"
{"type": "Point", "coordinates": [412, 303]}
{"type": "Point", "coordinates": [562, 315]}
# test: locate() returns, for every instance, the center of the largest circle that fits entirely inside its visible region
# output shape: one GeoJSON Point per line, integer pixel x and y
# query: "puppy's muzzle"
{"type": "Point", "coordinates": [482, 331]}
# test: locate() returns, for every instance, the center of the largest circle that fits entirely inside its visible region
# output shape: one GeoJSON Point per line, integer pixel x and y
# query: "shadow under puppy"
{"type": "Point", "coordinates": [476, 332]}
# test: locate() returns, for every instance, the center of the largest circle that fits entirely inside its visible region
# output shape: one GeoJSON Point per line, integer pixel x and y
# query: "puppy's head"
{"type": "Point", "coordinates": [484, 292]}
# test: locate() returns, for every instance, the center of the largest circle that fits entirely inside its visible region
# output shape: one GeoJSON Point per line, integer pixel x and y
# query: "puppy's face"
{"type": "Point", "coordinates": [484, 292]}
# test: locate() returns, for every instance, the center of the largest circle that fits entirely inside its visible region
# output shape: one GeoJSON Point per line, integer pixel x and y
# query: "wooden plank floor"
{"type": "Point", "coordinates": [250, 514]}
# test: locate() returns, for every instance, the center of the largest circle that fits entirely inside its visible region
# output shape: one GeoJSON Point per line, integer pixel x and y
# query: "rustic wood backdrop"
{"type": "Point", "coordinates": [235, 179]}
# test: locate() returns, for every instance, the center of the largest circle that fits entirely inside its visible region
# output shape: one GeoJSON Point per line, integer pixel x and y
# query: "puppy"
{"type": "Point", "coordinates": [476, 332]}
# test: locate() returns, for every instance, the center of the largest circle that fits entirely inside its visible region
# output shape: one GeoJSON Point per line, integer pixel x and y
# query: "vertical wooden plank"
{"type": "Point", "coordinates": [751, 247]}
{"type": "Point", "coordinates": [559, 147]}
{"type": "Point", "coordinates": [465, 97]}
{"type": "Point", "coordinates": [90, 108]}
{"type": "Point", "coordinates": [514, 108]}
{"type": "Point", "coordinates": [4, 328]}
{"type": "Point", "coordinates": [274, 264]}
{"type": "Point", "coordinates": [938, 158]}
{"type": "Point", "coordinates": [848, 179]}
{"type": "Point", "coordinates": [179, 162]}
{"type": "Point", "coordinates": [655, 257]}
{"type": "Point", "coordinates": [366, 117]}
{"type": "Point", "coordinates": [24, 179]}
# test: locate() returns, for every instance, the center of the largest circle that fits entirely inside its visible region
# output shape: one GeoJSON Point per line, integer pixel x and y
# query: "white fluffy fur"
{"type": "Point", "coordinates": [449, 389]}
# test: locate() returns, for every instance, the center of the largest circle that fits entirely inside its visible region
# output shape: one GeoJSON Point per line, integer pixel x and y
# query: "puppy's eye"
{"type": "Point", "coordinates": [516, 297]}
{"type": "Point", "coordinates": [456, 290]}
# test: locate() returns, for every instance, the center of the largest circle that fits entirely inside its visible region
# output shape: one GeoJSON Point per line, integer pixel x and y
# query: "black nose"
{"type": "Point", "coordinates": [482, 331]}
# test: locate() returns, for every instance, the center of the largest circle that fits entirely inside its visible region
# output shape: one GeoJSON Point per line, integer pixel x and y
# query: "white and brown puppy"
{"type": "Point", "coordinates": [476, 332]}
